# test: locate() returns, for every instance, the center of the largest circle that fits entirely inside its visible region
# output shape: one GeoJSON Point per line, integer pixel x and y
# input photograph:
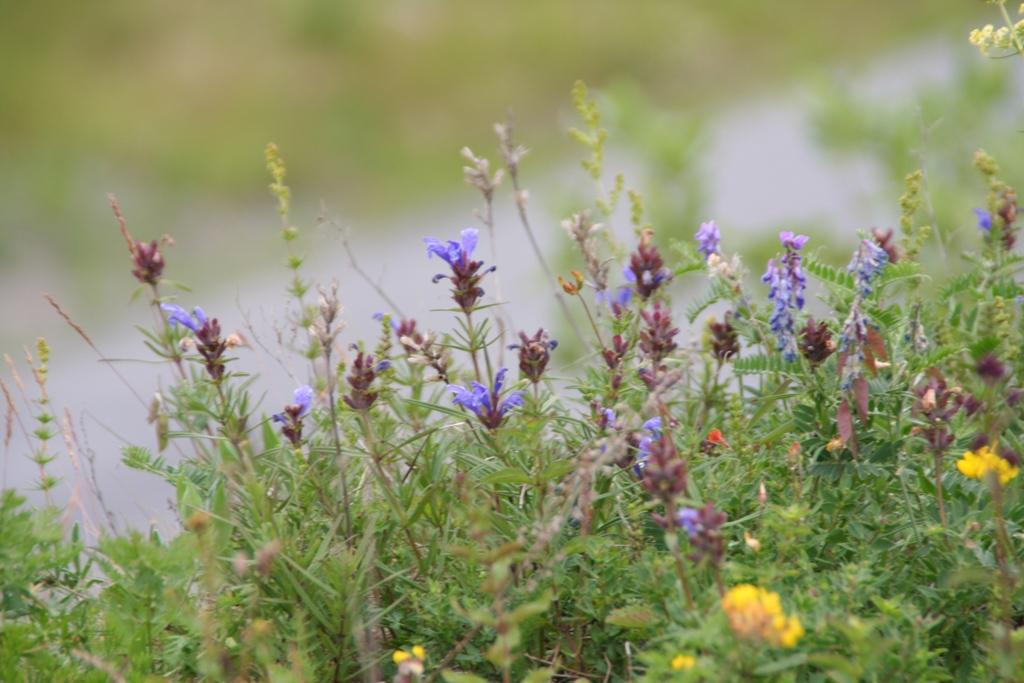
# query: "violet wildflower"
{"type": "Point", "coordinates": [291, 416]}
{"type": "Point", "coordinates": [786, 283]}
{"type": "Point", "coordinates": [643, 444]}
{"type": "Point", "coordinates": [364, 371]}
{"type": "Point", "coordinates": [207, 336]}
{"type": "Point", "coordinates": [465, 276]}
{"type": "Point", "coordinates": [885, 241]}
{"type": "Point", "coordinates": [534, 354]}
{"type": "Point", "coordinates": [664, 475]}
{"type": "Point", "coordinates": [867, 262]}
{"type": "Point", "coordinates": [617, 300]}
{"type": "Point", "coordinates": [984, 220]}
{"type": "Point", "coordinates": [604, 417]}
{"type": "Point", "coordinates": [485, 403]}
{"type": "Point", "coordinates": [708, 238]}
{"type": "Point", "coordinates": [646, 269]}
{"type": "Point", "coordinates": [703, 527]}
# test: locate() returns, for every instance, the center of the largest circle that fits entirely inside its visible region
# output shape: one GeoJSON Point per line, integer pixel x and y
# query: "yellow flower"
{"type": "Point", "coordinates": [683, 662]}
{"type": "Point", "coordinates": [416, 652]}
{"type": "Point", "coordinates": [977, 464]}
{"type": "Point", "coordinates": [756, 614]}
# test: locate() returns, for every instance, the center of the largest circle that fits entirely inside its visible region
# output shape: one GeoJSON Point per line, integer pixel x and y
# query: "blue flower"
{"type": "Point", "coordinates": [653, 429]}
{"type": "Point", "coordinates": [786, 284]}
{"type": "Point", "coordinates": [688, 519]}
{"type": "Point", "coordinates": [485, 403]}
{"type": "Point", "coordinates": [466, 275]}
{"type": "Point", "coordinates": [302, 401]}
{"type": "Point", "coordinates": [453, 253]}
{"type": "Point", "coordinates": [708, 238]}
{"type": "Point", "coordinates": [621, 297]}
{"type": "Point", "coordinates": [291, 416]}
{"type": "Point", "coordinates": [867, 262]}
{"type": "Point", "coordinates": [984, 220]}
{"type": "Point", "coordinates": [177, 315]}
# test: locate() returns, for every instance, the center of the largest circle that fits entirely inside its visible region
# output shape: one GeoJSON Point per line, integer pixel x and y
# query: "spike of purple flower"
{"type": "Point", "coordinates": [465, 276]}
{"type": "Point", "coordinates": [786, 284]}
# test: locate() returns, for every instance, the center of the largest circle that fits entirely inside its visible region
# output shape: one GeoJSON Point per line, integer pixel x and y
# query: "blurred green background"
{"type": "Point", "coordinates": [170, 105]}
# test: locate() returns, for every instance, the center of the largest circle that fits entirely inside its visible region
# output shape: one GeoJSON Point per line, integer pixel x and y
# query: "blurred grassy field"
{"type": "Point", "coordinates": [170, 104]}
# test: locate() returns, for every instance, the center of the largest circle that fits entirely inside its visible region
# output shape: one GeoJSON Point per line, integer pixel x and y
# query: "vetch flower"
{"type": "Point", "coordinates": [708, 238]}
{"type": "Point", "coordinates": [867, 262]}
{"type": "Point", "coordinates": [786, 284]}
{"type": "Point", "coordinates": [756, 614]}
{"type": "Point", "coordinates": [487, 404]}
{"type": "Point", "coordinates": [291, 416]}
{"type": "Point", "coordinates": [465, 276]}
{"type": "Point", "coordinates": [410, 663]}
{"type": "Point", "coordinates": [977, 464]}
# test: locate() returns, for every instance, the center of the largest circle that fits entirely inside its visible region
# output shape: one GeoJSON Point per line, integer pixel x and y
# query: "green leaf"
{"type": "Point", "coordinates": [790, 662]}
{"type": "Point", "coordinates": [634, 616]}
{"type": "Point", "coordinates": [509, 475]}
{"type": "Point", "coordinates": [461, 677]}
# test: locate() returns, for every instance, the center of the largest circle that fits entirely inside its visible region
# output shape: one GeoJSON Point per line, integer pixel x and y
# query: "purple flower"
{"type": "Point", "coordinates": [485, 403]}
{"type": "Point", "coordinates": [646, 269]}
{"type": "Point", "coordinates": [653, 429]}
{"type": "Point", "coordinates": [984, 220]}
{"type": "Point", "coordinates": [291, 416]}
{"type": "Point", "coordinates": [791, 240]}
{"type": "Point", "coordinates": [703, 528]}
{"type": "Point", "coordinates": [379, 317]}
{"type": "Point", "coordinates": [453, 253]}
{"type": "Point", "coordinates": [534, 354]}
{"type": "Point", "coordinates": [465, 276]}
{"type": "Point", "coordinates": [688, 518]}
{"type": "Point", "coordinates": [708, 238]}
{"type": "Point", "coordinates": [176, 315]}
{"type": "Point", "coordinates": [786, 283]}
{"type": "Point", "coordinates": [867, 262]}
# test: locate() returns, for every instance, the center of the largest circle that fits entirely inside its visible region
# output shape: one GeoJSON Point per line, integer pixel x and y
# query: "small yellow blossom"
{"type": "Point", "coordinates": [977, 464]}
{"type": "Point", "coordinates": [416, 652]}
{"type": "Point", "coordinates": [683, 662]}
{"type": "Point", "coordinates": [756, 614]}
